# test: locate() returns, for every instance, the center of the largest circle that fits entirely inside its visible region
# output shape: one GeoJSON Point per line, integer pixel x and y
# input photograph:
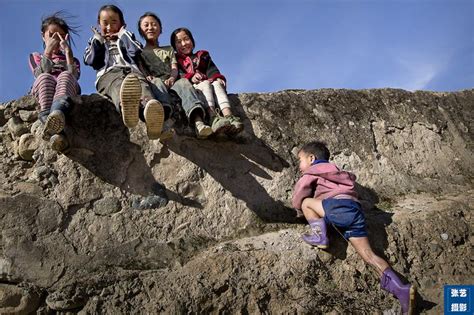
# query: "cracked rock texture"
{"type": "Point", "coordinates": [120, 224]}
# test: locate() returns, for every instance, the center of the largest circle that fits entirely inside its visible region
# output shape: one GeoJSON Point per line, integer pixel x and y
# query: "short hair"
{"type": "Point", "coordinates": [112, 8]}
{"type": "Point", "coordinates": [59, 18]}
{"type": "Point", "coordinates": [153, 15]}
{"type": "Point", "coordinates": [176, 31]}
{"type": "Point", "coordinates": [318, 149]}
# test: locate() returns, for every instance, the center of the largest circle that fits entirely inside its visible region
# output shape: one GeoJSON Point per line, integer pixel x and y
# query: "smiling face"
{"type": "Point", "coordinates": [184, 44]}
{"type": "Point", "coordinates": [109, 23]}
{"type": "Point", "coordinates": [305, 160]}
{"type": "Point", "coordinates": [49, 32]}
{"type": "Point", "coordinates": [150, 29]}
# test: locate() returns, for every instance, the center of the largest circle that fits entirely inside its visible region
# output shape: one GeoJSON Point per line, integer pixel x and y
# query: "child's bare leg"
{"type": "Point", "coordinates": [389, 280]}
{"type": "Point", "coordinates": [314, 213]}
{"type": "Point", "coordinates": [226, 111]}
{"type": "Point", "coordinates": [362, 246]}
{"type": "Point", "coordinates": [312, 208]}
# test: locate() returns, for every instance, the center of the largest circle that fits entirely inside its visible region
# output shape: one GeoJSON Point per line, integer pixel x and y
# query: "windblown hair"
{"type": "Point", "coordinates": [60, 18]}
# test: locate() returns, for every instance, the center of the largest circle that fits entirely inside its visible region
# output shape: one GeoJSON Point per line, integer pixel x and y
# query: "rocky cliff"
{"type": "Point", "coordinates": [120, 224]}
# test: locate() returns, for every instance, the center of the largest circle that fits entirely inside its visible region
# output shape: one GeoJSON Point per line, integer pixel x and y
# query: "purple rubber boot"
{"type": "Point", "coordinates": [318, 237]}
{"type": "Point", "coordinates": [404, 293]}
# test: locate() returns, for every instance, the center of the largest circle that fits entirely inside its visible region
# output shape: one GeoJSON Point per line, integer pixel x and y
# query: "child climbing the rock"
{"type": "Point", "coordinates": [205, 76]}
{"type": "Point", "coordinates": [161, 68]}
{"type": "Point", "coordinates": [113, 53]}
{"type": "Point", "coordinates": [326, 195]}
{"type": "Point", "coordinates": [56, 72]}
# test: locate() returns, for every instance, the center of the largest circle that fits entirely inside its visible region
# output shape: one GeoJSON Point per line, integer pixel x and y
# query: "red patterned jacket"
{"type": "Point", "coordinates": [200, 62]}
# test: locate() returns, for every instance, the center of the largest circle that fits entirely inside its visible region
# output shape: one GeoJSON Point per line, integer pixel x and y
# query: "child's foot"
{"type": "Point", "coordinates": [405, 293]}
{"type": "Point", "coordinates": [154, 119]}
{"type": "Point", "coordinates": [236, 125]}
{"type": "Point", "coordinates": [54, 124]}
{"type": "Point", "coordinates": [130, 94]}
{"type": "Point", "coordinates": [202, 130]}
{"type": "Point", "coordinates": [318, 237]}
{"type": "Point", "coordinates": [220, 124]}
{"type": "Point", "coordinates": [59, 143]}
{"type": "Point", "coordinates": [316, 240]}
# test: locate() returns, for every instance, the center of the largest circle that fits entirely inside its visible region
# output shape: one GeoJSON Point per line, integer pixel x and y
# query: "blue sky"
{"type": "Point", "coordinates": [267, 46]}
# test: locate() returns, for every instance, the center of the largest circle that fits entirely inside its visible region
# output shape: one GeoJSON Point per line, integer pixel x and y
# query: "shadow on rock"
{"type": "Point", "coordinates": [101, 143]}
{"type": "Point", "coordinates": [234, 163]}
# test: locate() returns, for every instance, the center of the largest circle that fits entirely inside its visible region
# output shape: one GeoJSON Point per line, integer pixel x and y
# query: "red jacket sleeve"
{"type": "Point", "coordinates": [304, 188]}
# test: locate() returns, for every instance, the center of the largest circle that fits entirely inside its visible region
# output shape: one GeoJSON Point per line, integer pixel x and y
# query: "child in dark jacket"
{"type": "Point", "coordinates": [205, 76]}
{"type": "Point", "coordinates": [113, 53]}
{"type": "Point", "coordinates": [326, 195]}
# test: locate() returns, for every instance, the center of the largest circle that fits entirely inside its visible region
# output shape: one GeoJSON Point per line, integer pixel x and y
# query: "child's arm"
{"type": "Point", "coordinates": [304, 188]}
{"type": "Point", "coordinates": [94, 55]}
{"type": "Point", "coordinates": [40, 64]}
{"type": "Point", "coordinates": [173, 75]}
{"type": "Point", "coordinates": [143, 66]}
{"type": "Point", "coordinates": [128, 41]}
{"type": "Point", "coordinates": [212, 72]}
{"type": "Point", "coordinates": [72, 63]}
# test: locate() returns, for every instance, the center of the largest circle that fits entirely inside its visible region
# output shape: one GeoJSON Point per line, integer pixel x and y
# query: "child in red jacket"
{"type": "Point", "coordinates": [326, 195]}
{"type": "Point", "coordinates": [205, 76]}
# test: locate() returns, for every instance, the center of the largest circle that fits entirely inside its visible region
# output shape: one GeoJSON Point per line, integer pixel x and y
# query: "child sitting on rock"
{"type": "Point", "coordinates": [161, 67]}
{"type": "Point", "coordinates": [56, 72]}
{"type": "Point", "coordinates": [203, 73]}
{"type": "Point", "coordinates": [326, 195]}
{"type": "Point", "coordinates": [113, 53]}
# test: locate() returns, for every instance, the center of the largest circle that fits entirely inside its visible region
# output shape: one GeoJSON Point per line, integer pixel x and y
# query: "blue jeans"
{"type": "Point", "coordinates": [345, 214]}
{"type": "Point", "coordinates": [190, 100]}
{"type": "Point", "coordinates": [63, 104]}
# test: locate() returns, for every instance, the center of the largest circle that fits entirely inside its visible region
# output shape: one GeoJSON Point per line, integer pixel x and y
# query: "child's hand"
{"type": "Point", "coordinates": [197, 78]}
{"type": "Point", "coordinates": [95, 30]}
{"type": "Point", "coordinates": [51, 44]}
{"type": "Point", "coordinates": [150, 78]}
{"type": "Point", "coordinates": [169, 82]}
{"type": "Point", "coordinates": [64, 44]}
{"type": "Point", "coordinates": [97, 34]}
{"type": "Point", "coordinates": [115, 35]}
{"type": "Point", "coordinates": [221, 82]}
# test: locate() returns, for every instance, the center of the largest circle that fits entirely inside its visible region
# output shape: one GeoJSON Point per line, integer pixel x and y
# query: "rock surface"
{"type": "Point", "coordinates": [120, 224]}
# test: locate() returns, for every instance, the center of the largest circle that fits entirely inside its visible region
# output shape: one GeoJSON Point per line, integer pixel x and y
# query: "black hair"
{"type": "Point", "coordinates": [59, 18]}
{"type": "Point", "coordinates": [153, 15]}
{"type": "Point", "coordinates": [176, 31]}
{"type": "Point", "coordinates": [318, 149]}
{"type": "Point", "coordinates": [112, 8]}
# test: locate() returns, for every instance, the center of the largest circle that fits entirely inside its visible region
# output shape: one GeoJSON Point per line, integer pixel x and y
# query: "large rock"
{"type": "Point", "coordinates": [121, 224]}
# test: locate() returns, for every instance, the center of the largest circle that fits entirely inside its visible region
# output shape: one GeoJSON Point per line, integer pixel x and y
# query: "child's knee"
{"type": "Point", "coordinates": [218, 83]}
{"type": "Point", "coordinates": [307, 203]}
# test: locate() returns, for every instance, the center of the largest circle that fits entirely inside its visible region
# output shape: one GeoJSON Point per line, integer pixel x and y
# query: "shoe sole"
{"type": "Point", "coordinates": [154, 119]}
{"type": "Point", "coordinates": [233, 130]}
{"type": "Point", "coordinates": [411, 304]}
{"type": "Point", "coordinates": [322, 246]}
{"type": "Point", "coordinates": [130, 95]}
{"type": "Point", "coordinates": [54, 123]}
{"type": "Point", "coordinates": [223, 129]}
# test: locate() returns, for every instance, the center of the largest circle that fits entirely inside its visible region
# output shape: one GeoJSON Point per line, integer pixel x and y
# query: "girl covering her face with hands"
{"type": "Point", "coordinates": [56, 72]}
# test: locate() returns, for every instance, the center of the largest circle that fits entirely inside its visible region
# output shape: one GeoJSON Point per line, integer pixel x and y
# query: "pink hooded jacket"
{"type": "Point", "coordinates": [322, 181]}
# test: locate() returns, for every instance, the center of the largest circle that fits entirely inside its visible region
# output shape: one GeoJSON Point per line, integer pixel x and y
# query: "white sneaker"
{"type": "Point", "coordinates": [202, 130]}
